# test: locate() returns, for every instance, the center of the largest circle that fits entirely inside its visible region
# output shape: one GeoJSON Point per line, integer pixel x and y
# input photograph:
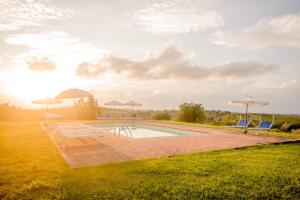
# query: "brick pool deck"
{"type": "Point", "coordinates": [119, 149]}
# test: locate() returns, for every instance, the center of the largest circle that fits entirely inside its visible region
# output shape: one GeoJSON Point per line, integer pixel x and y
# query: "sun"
{"type": "Point", "coordinates": [29, 87]}
{"type": "Point", "coordinates": [26, 85]}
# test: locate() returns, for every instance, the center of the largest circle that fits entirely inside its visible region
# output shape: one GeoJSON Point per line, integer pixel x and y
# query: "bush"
{"type": "Point", "coordinates": [293, 126]}
{"type": "Point", "coordinates": [296, 131]}
{"type": "Point", "coordinates": [228, 120]}
{"type": "Point", "coordinates": [290, 127]}
{"type": "Point", "coordinates": [284, 127]}
{"type": "Point", "coordinates": [87, 110]}
{"type": "Point", "coordinates": [190, 112]}
{"type": "Point", "coordinates": [161, 116]}
{"type": "Point", "coordinates": [277, 125]}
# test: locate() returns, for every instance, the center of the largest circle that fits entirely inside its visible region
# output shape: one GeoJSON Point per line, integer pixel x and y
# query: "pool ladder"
{"type": "Point", "coordinates": [126, 129]}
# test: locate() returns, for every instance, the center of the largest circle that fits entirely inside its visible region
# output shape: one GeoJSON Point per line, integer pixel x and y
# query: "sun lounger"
{"type": "Point", "coordinates": [52, 116]}
{"type": "Point", "coordinates": [241, 124]}
{"type": "Point", "coordinates": [68, 131]}
{"type": "Point", "coordinates": [264, 125]}
{"type": "Point", "coordinates": [103, 116]}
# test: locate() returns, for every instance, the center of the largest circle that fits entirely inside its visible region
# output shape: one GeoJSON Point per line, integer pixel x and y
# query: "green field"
{"type": "Point", "coordinates": [32, 168]}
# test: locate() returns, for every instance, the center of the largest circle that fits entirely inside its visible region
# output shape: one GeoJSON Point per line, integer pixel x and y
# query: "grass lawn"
{"type": "Point", "coordinates": [32, 168]}
{"type": "Point", "coordinates": [271, 132]}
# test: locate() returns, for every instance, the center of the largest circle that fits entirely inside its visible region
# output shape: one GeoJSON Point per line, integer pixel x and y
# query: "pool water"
{"type": "Point", "coordinates": [144, 131]}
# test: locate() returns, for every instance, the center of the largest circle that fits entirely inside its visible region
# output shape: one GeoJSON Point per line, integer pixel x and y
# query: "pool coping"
{"type": "Point", "coordinates": [120, 149]}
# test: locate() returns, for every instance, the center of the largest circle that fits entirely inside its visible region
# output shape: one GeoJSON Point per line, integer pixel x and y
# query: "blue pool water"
{"type": "Point", "coordinates": [144, 131]}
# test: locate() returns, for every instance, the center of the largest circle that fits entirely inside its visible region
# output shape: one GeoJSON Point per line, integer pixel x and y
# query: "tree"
{"type": "Point", "coordinates": [88, 110]}
{"type": "Point", "coordinates": [190, 112]}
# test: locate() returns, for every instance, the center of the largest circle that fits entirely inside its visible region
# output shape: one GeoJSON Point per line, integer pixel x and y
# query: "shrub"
{"type": "Point", "coordinates": [290, 127]}
{"type": "Point", "coordinates": [277, 125]}
{"type": "Point", "coordinates": [296, 131]}
{"type": "Point", "coordinates": [284, 127]}
{"type": "Point", "coordinates": [293, 126]}
{"type": "Point", "coordinates": [161, 116]}
{"type": "Point", "coordinates": [190, 112]}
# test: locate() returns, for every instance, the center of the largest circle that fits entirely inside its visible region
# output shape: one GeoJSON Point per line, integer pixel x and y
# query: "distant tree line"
{"type": "Point", "coordinates": [195, 113]}
{"type": "Point", "coordinates": [82, 110]}
{"type": "Point", "coordinates": [188, 112]}
{"type": "Point", "coordinates": [12, 113]}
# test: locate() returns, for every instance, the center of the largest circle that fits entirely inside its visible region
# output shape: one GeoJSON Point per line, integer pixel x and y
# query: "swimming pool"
{"type": "Point", "coordinates": [144, 131]}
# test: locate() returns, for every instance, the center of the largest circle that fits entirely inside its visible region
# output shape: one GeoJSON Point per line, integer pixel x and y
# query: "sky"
{"type": "Point", "coordinates": [159, 53]}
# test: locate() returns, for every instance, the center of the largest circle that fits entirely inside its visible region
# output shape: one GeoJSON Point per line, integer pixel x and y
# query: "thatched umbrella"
{"type": "Point", "coordinates": [113, 103]}
{"type": "Point", "coordinates": [73, 94]}
{"type": "Point", "coordinates": [132, 104]}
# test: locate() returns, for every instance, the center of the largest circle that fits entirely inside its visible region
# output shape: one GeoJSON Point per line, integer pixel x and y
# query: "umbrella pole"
{"type": "Point", "coordinates": [114, 111]}
{"type": "Point", "coordinates": [246, 128]}
{"type": "Point", "coordinates": [75, 109]}
{"type": "Point", "coordinates": [46, 118]}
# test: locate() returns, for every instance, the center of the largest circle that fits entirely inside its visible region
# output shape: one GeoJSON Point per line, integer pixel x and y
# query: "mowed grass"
{"type": "Point", "coordinates": [31, 167]}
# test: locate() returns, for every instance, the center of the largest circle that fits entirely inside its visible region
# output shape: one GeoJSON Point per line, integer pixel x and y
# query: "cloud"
{"type": "Point", "coordinates": [16, 14]}
{"type": "Point", "coordinates": [242, 69]}
{"type": "Point", "coordinates": [171, 63]}
{"type": "Point", "coordinates": [57, 45]}
{"type": "Point", "coordinates": [274, 31]}
{"type": "Point", "coordinates": [40, 64]}
{"type": "Point", "coordinates": [89, 70]}
{"type": "Point", "coordinates": [178, 16]}
{"type": "Point", "coordinates": [288, 84]}
{"type": "Point", "coordinates": [41, 40]}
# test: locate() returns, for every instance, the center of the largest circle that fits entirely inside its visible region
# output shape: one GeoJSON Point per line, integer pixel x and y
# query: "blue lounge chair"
{"type": "Point", "coordinates": [264, 125]}
{"type": "Point", "coordinates": [103, 116]}
{"type": "Point", "coordinates": [241, 124]}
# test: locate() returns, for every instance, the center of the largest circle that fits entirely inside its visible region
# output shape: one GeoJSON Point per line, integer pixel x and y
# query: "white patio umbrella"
{"type": "Point", "coordinates": [248, 103]}
{"type": "Point", "coordinates": [46, 101]}
{"type": "Point", "coordinates": [132, 104]}
{"type": "Point", "coordinates": [113, 103]}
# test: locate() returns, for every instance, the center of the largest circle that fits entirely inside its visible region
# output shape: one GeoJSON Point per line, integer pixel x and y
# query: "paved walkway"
{"type": "Point", "coordinates": [118, 149]}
